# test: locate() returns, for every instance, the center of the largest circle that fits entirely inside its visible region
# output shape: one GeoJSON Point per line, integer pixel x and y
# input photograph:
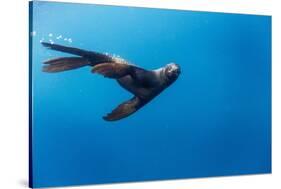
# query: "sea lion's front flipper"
{"type": "Point", "coordinates": [125, 109]}
{"type": "Point", "coordinates": [112, 70]}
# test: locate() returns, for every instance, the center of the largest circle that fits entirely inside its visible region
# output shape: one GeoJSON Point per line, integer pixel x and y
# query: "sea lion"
{"type": "Point", "coordinates": [143, 84]}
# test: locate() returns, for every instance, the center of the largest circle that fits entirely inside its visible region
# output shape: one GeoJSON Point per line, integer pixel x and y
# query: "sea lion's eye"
{"type": "Point", "coordinates": [170, 68]}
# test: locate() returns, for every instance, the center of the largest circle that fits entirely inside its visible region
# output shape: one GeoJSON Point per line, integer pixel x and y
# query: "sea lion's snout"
{"type": "Point", "coordinates": [172, 71]}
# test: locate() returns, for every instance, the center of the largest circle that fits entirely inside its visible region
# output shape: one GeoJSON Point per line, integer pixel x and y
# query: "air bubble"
{"type": "Point", "coordinates": [59, 37]}
{"type": "Point", "coordinates": [33, 33]}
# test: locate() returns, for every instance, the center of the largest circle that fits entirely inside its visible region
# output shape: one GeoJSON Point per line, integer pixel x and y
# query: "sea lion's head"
{"type": "Point", "coordinates": [172, 72]}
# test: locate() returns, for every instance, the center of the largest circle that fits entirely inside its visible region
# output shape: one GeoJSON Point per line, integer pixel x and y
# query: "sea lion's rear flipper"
{"type": "Point", "coordinates": [125, 109]}
{"type": "Point", "coordinates": [93, 57]}
{"type": "Point", "coordinates": [64, 64]}
{"type": "Point", "coordinates": [113, 70]}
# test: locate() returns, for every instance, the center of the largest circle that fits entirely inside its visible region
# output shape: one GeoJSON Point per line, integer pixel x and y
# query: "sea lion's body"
{"type": "Point", "coordinates": [143, 84]}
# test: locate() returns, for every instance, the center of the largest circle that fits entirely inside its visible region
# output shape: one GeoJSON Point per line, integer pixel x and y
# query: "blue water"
{"type": "Point", "coordinates": [214, 120]}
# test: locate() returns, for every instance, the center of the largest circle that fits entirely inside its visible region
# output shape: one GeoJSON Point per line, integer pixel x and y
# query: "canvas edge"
{"type": "Point", "coordinates": [30, 133]}
{"type": "Point", "coordinates": [151, 7]}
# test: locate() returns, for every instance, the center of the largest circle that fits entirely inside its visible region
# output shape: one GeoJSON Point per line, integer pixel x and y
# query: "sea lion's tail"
{"type": "Point", "coordinates": [68, 63]}
{"type": "Point", "coordinates": [64, 64]}
{"type": "Point", "coordinates": [71, 50]}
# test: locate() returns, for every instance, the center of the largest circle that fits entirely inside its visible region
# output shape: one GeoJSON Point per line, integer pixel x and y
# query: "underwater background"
{"type": "Point", "coordinates": [214, 120]}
